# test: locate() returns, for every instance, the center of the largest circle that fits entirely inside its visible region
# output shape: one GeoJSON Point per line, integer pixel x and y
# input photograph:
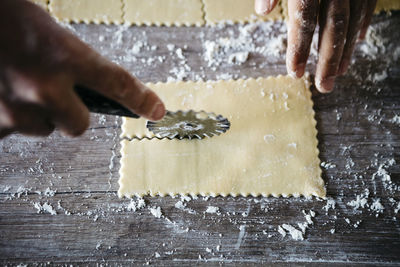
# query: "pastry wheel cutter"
{"type": "Point", "coordinates": [180, 124]}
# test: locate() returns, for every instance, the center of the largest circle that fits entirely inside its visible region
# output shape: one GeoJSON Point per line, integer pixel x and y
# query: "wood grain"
{"type": "Point", "coordinates": [355, 133]}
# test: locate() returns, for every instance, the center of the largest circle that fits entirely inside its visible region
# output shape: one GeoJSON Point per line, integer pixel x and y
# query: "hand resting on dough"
{"type": "Point", "coordinates": [340, 22]}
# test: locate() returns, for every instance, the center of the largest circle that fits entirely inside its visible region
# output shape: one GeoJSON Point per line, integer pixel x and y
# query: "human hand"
{"type": "Point", "coordinates": [340, 21]}
{"type": "Point", "coordinates": [40, 62]}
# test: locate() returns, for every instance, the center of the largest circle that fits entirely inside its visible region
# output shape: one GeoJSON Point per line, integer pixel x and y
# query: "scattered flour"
{"type": "Point", "coordinates": [21, 191]}
{"type": "Point", "coordinates": [327, 165]}
{"type": "Point", "coordinates": [137, 47]}
{"type": "Point", "coordinates": [170, 47]}
{"type": "Point", "coordinates": [385, 176]}
{"type": "Point", "coordinates": [136, 205]}
{"type": "Point", "coordinates": [395, 119]}
{"type": "Point", "coordinates": [378, 77]}
{"type": "Point", "coordinates": [238, 57]}
{"type": "Point", "coordinates": [294, 233]}
{"type": "Point", "coordinates": [6, 188]}
{"type": "Point", "coordinates": [182, 206]}
{"type": "Point", "coordinates": [49, 193]}
{"type": "Point", "coordinates": [156, 212]}
{"type": "Point", "coordinates": [242, 232]}
{"type": "Point", "coordinates": [397, 208]}
{"type": "Point", "coordinates": [45, 208]}
{"type": "Point", "coordinates": [376, 206]}
{"type": "Point", "coordinates": [330, 204]}
{"type": "Point", "coordinates": [281, 231]}
{"type": "Point", "coordinates": [361, 201]}
{"type": "Point", "coordinates": [236, 49]}
{"type": "Point", "coordinates": [212, 209]}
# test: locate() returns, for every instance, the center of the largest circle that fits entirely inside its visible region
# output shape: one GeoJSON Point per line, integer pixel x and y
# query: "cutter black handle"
{"type": "Point", "coordinates": [98, 103]}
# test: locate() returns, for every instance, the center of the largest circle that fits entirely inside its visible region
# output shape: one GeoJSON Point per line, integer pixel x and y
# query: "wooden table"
{"type": "Point", "coordinates": [357, 133]}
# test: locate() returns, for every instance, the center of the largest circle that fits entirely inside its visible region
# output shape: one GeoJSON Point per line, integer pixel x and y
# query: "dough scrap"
{"type": "Point", "coordinates": [236, 11]}
{"type": "Point", "coordinates": [163, 12]}
{"type": "Point", "coordinates": [87, 11]}
{"type": "Point", "coordinates": [270, 149]}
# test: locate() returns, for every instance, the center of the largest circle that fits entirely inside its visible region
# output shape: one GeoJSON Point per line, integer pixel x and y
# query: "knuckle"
{"type": "Point", "coordinates": [306, 19]}
{"type": "Point", "coordinates": [143, 100]}
{"type": "Point", "coordinates": [339, 20]}
{"type": "Point", "coordinates": [305, 15]}
{"type": "Point", "coordinates": [123, 89]}
{"type": "Point", "coordinates": [131, 92]}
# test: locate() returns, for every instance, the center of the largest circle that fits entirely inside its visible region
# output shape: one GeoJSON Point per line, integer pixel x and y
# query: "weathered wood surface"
{"type": "Point", "coordinates": [356, 133]}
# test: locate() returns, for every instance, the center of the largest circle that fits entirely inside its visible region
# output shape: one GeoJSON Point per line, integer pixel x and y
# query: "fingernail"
{"type": "Point", "coordinates": [158, 112]}
{"type": "Point", "coordinates": [292, 73]}
{"type": "Point", "coordinates": [262, 6]}
{"type": "Point", "coordinates": [298, 73]}
{"type": "Point", "coordinates": [300, 70]}
{"type": "Point", "coordinates": [325, 85]}
{"type": "Point", "coordinates": [344, 65]}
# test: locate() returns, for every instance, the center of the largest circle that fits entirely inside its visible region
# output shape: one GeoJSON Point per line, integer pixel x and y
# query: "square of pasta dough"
{"type": "Point", "coordinates": [88, 11]}
{"type": "Point", "coordinates": [270, 148]}
{"type": "Point", "coordinates": [237, 11]}
{"type": "Point", "coordinates": [163, 12]}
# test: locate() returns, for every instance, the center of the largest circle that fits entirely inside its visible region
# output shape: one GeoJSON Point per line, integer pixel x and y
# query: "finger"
{"type": "Point", "coordinates": [368, 17]}
{"type": "Point", "coordinates": [31, 119]}
{"type": "Point", "coordinates": [301, 28]}
{"type": "Point", "coordinates": [263, 7]}
{"type": "Point", "coordinates": [69, 114]}
{"type": "Point", "coordinates": [358, 10]}
{"type": "Point", "coordinates": [334, 18]}
{"type": "Point", "coordinates": [25, 117]}
{"type": "Point", "coordinates": [114, 82]}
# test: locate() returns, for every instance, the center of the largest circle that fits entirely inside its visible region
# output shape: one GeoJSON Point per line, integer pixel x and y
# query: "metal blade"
{"type": "Point", "coordinates": [189, 124]}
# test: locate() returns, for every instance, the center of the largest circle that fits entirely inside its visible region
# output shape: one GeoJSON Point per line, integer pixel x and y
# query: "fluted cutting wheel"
{"type": "Point", "coordinates": [189, 124]}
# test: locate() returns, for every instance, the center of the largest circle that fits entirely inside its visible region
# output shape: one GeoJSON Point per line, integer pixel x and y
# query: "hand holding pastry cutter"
{"type": "Point", "coordinates": [180, 124]}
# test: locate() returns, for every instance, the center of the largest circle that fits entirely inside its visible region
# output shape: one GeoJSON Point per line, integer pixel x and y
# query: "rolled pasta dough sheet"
{"type": "Point", "coordinates": [270, 149]}
{"type": "Point", "coordinates": [236, 11]}
{"type": "Point", "coordinates": [88, 11]}
{"type": "Point", "coordinates": [170, 12]}
{"type": "Point", "coordinates": [163, 12]}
